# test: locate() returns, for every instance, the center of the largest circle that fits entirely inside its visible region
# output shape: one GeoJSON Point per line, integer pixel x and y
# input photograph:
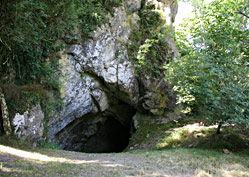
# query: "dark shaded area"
{"type": "Point", "coordinates": [1, 123]}
{"type": "Point", "coordinates": [75, 135]}
{"type": "Point", "coordinates": [122, 112]}
{"type": "Point", "coordinates": [103, 132]}
{"type": "Point", "coordinates": [111, 136]}
{"type": "Point", "coordinates": [107, 135]}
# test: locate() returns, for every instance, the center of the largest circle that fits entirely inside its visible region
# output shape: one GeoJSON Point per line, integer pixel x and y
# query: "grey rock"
{"type": "Point", "coordinates": [132, 5]}
{"type": "Point", "coordinates": [99, 82]}
{"type": "Point", "coordinates": [76, 96]}
{"type": "Point", "coordinates": [28, 126]}
{"type": "Point", "coordinates": [105, 56]}
{"type": "Point", "coordinates": [140, 119]}
{"type": "Point", "coordinates": [134, 21]}
{"type": "Point", "coordinates": [81, 94]}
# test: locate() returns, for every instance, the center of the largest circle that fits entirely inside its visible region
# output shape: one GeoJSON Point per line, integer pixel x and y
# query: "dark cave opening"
{"type": "Point", "coordinates": [111, 136]}
{"type": "Point", "coordinates": [104, 132]}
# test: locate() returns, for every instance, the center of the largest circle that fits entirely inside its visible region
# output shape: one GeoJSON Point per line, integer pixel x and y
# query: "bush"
{"type": "Point", "coordinates": [33, 32]}
{"type": "Point", "coordinates": [212, 77]}
{"type": "Point", "coordinates": [148, 48]}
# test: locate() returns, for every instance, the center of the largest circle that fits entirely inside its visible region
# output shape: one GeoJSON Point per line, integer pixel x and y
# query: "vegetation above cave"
{"type": "Point", "coordinates": [33, 32]}
{"type": "Point", "coordinates": [148, 48]}
{"type": "Point", "coordinates": [32, 35]}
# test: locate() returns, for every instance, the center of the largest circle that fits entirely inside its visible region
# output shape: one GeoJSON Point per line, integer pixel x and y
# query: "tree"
{"type": "Point", "coordinates": [32, 33]}
{"type": "Point", "coordinates": [29, 35]}
{"type": "Point", "coordinates": [212, 76]}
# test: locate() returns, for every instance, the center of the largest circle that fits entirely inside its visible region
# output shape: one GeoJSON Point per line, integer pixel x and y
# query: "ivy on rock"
{"type": "Point", "coordinates": [33, 32]}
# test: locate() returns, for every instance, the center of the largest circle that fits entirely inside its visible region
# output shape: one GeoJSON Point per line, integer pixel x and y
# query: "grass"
{"type": "Point", "coordinates": [189, 133]}
{"type": "Point", "coordinates": [202, 137]}
{"type": "Point", "coordinates": [170, 162]}
{"type": "Point", "coordinates": [184, 148]}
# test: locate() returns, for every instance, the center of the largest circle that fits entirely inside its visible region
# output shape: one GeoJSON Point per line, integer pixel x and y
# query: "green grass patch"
{"type": "Point", "coordinates": [48, 145]}
{"type": "Point", "coordinates": [12, 141]}
{"type": "Point", "coordinates": [188, 133]}
{"type": "Point", "coordinates": [166, 162]}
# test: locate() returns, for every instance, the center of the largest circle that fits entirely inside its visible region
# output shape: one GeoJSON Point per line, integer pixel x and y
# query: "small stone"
{"type": "Point", "coordinates": [226, 151]}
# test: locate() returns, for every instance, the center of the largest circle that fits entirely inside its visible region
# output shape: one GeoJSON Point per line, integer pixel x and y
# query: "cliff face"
{"type": "Point", "coordinates": [101, 90]}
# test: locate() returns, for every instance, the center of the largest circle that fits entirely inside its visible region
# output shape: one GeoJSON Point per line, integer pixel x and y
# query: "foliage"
{"type": "Point", "coordinates": [151, 56]}
{"type": "Point", "coordinates": [93, 13]}
{"type": "Point", "coordinates": [190, 132]}
{"type": "Point", "coordinates": [48, 145]}
{"type": "Point", "coordinates": [212, 76]}
{"type": "Point", "coordinates": [12, 141]}
{"type": "Point", "coordinates": [150, 20]}
{"type": "Point", "coordinates": [204, 137]}
{"type": "Point", "coordinates": [148, 47]}
{"type": "Point", "coordinates": [29, 33]}
{"type": "Point", "coordinates": [21, 98]}
{"type": "Point", "coordinates": [33, 32]}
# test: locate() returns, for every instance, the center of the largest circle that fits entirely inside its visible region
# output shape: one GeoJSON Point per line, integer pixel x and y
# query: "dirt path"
{"type": "Point", "coordinates": [181, 162]}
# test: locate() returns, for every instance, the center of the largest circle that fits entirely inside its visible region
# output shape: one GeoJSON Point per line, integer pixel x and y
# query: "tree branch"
{"type": "Point", "coordinates": [243, 14]}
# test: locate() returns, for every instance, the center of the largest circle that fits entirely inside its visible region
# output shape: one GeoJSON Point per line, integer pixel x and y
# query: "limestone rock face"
{"type": "Point", "coordinates": [28, 126]}
{"type": "Point", "coordinates": [156, 98]}
{"type": "Point", "coordinates": [100, 82]}
{"type": "Point", "coordinates": [75, 93]}
{"type": "Point", "coordinates": [96, 72]}
{"type": "Point", "coordinates": [168, 9]}
{"type": "Point", "coordinates": [105, 56]}
{"type": "Point", "coordinates": [100, 89]}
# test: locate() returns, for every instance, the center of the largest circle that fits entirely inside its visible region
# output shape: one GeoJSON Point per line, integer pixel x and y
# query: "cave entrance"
{"type": "Point", "coordinates": [104, 132]}
{"type": "Point", "coordinates": [111, 136]}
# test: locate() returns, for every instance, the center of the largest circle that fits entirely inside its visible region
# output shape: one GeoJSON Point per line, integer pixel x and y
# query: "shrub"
{"type": "Point", "coordinates": [212, 76]}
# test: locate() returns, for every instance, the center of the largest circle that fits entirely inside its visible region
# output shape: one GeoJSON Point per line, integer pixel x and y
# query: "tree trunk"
{"type": "Point", "coordinates": [5, 114]}
{"type": "Point", "coordinates": [218, 129]}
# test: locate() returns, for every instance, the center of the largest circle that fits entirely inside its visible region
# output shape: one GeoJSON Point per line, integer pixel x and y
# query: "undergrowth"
{"type": "Point", "coordinates": [189, 133]}
{"type": "Point", "coordinates": [12, 141]}
{"type": "Point", "coordinates": [20, 99]}
{"type": "Point", "coordinates": [31, 39]}
{"type": "Point", "coordinates": [147, 47]}
{"type": "Point", "coordinates": [48, 145]}
{"type": "Point", "coordinates": [30, 45]}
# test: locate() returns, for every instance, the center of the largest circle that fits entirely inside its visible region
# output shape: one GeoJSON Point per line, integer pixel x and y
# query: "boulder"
{"type": "Point", "coordinates": [29, 126]}
{"type": "Point", "coordinates": [132, 5]}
